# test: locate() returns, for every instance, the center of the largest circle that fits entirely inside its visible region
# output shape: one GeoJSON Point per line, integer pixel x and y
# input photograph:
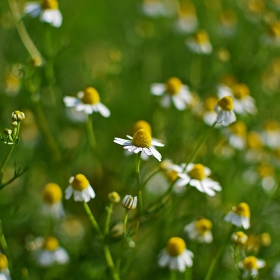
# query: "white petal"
{"type": "Point", "coordinates": [245, 222]}
{"type": "Point", "coordinates": [104, 111]}
{"type": "Point", "coordinates": [155, 153]}
{"type": "Point", "coordinates": [53, 17]}
{"type": "Point", "coordinates": [163, 259]}
{"type": "Point", "coordinates": [179, 103]}
{"type": "Point", "coordinates": [61, 256]}
{"type": "Point", "coordinates": [32, 8]}
{"type": "Point", "coordinates": [71, 101]}
{"type": "Point", "coordinates": [165, 101]}
{"type": "Point", "coordinates": [68, 192]}
{"type": "Point", "coordinates": [155, 143]}
{"type": "Point", "coordinates": [157, 89]}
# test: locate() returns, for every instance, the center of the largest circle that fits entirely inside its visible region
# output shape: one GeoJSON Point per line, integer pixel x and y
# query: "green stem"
{"type": "Point", "coordinates": [24, 273]}
{"type": "Point", "coordinates": [92, 219]}
{"type": "Point", "coordinates": [195, 74]}
{"type": "Point", "coordinates": [6, 160]}
{"type": "Point", "coordinates": [140, 196]}
{"type": "Point", "coordinates": [172, 275]}
{"type": "Point", "coordinates": [110, 263]}
{"type": "Point", "coordinates": [125, 221]}
{"type": "Point", "coordinates": [214, 261]}
{"type": "Point", "coordinates": [108, 218]}
{"type": "Point", "coordinates": [91, 135]}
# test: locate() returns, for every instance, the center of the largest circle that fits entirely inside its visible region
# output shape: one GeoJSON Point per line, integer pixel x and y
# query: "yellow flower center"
{"type": "Point", "coordinates": [114, 197]}
{"type": "Point", "coordinates": [142, 139]}
{"type": "Point", "coordinates": [173, 86]}
{"type": "Point", "coordinates": [242, 209]}
{"type": "Point", "coordinates": [272, 126]}
{"type": "Point", "coordinates": [209, 103]}
{"type": "Point", "coordinates": [80, 182]}
{"type": "Point", "coordinates": [276, 66]}
{"type": "Point", "coordinates": [228, 18]}
{"type": "Point", "coordinates": [197, 172]}
{"type": "Point", "coordinates": [49, 4]}
{"type": "Point", "coordinates": [256, 6]}
{"type": "Point", "coordinates": [228, 80]}
{"type": "Point", "coordinates": [265, 170]}
{"type": "Point", "coordinates": [141, 124]}
{"type": "Point", "coordinates": [171, 175]}
{"type": "Point", "coordinates": [274, 29]}
{"type": "Point", "coordinates": [265, 239]}
{"type": "Point", "coordinates": [240, 91]}
{"type": "Point", "coordinates": [254, 140]}
{"type": "Point", "coordinates": [250, 263]}
{"type": "Point", "coordinates": [253, 243]}
{"type": "Point", "coordinates": [187, 9]}
{"type": "Point", "coordinates": [50, 243]}
{"type": "Point", "coordinates": [226, 103]}
{"type": "Point", "coordinates": [239, 237]}
{"type": "Point", "coordinates": [3, 262]}
{"type": "Point", "coordinates": [203, 226]}
{"type": "Point", "coordinates": [201, 37]}
{"type": "Point", "coordinates": [175, 246]}
{"type": "Point", "coordinates": [238, 128]}
{"type": "Point", "coordinates": [52, 193]}
{"type": "Point", "coordinates": [91, 96]}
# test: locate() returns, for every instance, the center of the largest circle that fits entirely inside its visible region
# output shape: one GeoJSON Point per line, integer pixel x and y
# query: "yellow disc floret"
{"type": "Point", "coordinates": [52, 193]}
{"type": "Point", "coordinates": [175, 246]}
{"type": "Point", "coordinates": [197, 172]}
{"type": "Point", "coordinates": [201, 37]}
{"type": "Point", "coordinates": [209, 103]}
{"type": "Point", "coordinates": [80, 182]}
{"type": "Point", "coordinates": [141, 124]}
{"type": "Point", "coordinates": [3, 262]}
{"type": "Point", "coordinates": [265, 239]}
{"type": "Point", "coordinates": [187, 9]}
{"type": "Point", "coordinates": [226, 103]}
{"type": "Point", "coordinates": [142, 139]}
{"type": "Point", "coordinates": [274, 29]}
{"type": "Point", "coordinates": [250, 263]}
{"type": "Point", "coordinates": [114, 197]}
{"type": "Point", "coordinates": [50, 243]}
{"type": "Point", "coordinates": [254, 140]}
{"type": "Point", "coordinates": [90, 96]}
{"type": "Point", "coordinates": [228, 80]}
{"type": "Point", "coordinates": [239, 128]}
{"type": "Point", "coordinates": [173, 86]}
{"type": "Point", "coordinates": [228, 18]}
{"type": "Point", "coordinates": [242, 209]}
{"type": "Point", "coordinates": [240, 91]}
{"type": "Point", "coordinates": [272, 126]}
{"type": "Point", "coordinates": [171, 175]}
{"type": "Point", "coordinates": [49, 4]}
{"type": "Point", "coordinates": [203, 226]}
{"type": "Point", "coordinates": [265, 170]}
{"type": "Point", "coordinates": [239, 237]}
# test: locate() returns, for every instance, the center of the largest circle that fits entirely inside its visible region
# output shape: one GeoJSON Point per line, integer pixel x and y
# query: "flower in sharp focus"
{"type": "Point", "coordinates": [239, 216]}
{"type": "Point", "coordinates": [52, 197]}
{"type": "Point", "coordinates": [175, 255]}
{"type": "Point", "coordinates": [48, 11]}
{"type": "Point", "coordinates": [173, 90]}
{"type": "Point", "coordinates": [129, 202]}
{"type": "Point", "coordinates": [239, 237]}
{"type": "Point", "coordinates": [81, 188]}
{"type": "Point", "coordinates": [243, 102]}
{"type": "Point", "coordinates": [88, 101]}
{"type": "Point", "coordinates": [236, 134]}
{"type": "Point", "coordinates": [199, 43]}
{"type": "Point", "coordinates": [251, 265]}
{"type": "Point", "coordinates": [200, 230]}
{"type": "Point", "coordinates": [50, 253]}
{"type": "Point", "coordinates": [4, 271]}
{"type": "Point", "coordinates": [224, 109]}
{"type": "Point", "coordinates": [140, 142]}
{"type": "Point", "coordinates": [196, 175]}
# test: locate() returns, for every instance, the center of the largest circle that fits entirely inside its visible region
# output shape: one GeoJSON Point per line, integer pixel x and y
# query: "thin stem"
{"type": "Point", "coordinates": [172, 275]}
{"type": "Point", "coordinates": [110, 263]}
{"type": "Point", "coordinates": [214, 261]}
{"type": "Point", "coordinates": [91, 135]}
{"type": "Point", "coordinates": [25, 38]}
{"type": "Point", "coordinates": [92, 219]}
{"type": "Point", "coordinates": [125, 221]}
{"type": "Point", "coordinates": [6, 160]}
{"type": "Point", "coordinates": [140, 196]}
{"type": "Point", "coordinates": [108, 218]}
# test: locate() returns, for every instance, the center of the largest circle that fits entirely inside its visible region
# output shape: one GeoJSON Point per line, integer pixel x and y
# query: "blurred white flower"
{"type": "Point", "coordinates": [199, 43]}
{"type": "Point", "coordinates": [239, 216]}
{"type": "Point", "coordinates": [236, 134]}
{"type": "Point", "coordinates": [159, 8]}
{"type": "Point", "coordinates": [251, 266]}
{"type": "Point", "coordinates": [4, 271]}
{"type": "Point", "coordinates": [271, 134]}
{"type": "Point", "coordinates": [224, 109]}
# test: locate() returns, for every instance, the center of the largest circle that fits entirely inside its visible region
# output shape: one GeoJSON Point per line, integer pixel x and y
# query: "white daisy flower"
{"type": "Point", "coordinates": [197, 176]}
{"type": "Point", "coordinates": [48, 11]}
{"type": "Point", "coordinates": [4, 271]}
{"type": "Point", "coordinates": [158, 8]}
{"type": "Point", "coordinates": [224, 109]}
{"type": "Point", "coordinates": [243, 102]}
{"type": "Point", "coordinates": [88, 101]}
{"type": "Point", "coordinates": [50, 253]}
{"type": "Point", "coordinates": [254, 147]}
{"type": "Point", "coordinates": [199, 43]}
{"type": "Point", "coordinates": [209, 115]}
{"type": "Point", "coordinates": [200, 230]}
{"type": "Point", "coordinates": [251, 266]}
{"type": "Point", "coordinates": [266, 174]}
{"type": "Point", "coordinates": [236, 134]}
{"type": "Point", "coordinates": [129, 202]}
{"type": "Point", "coordinates": [228, 23]}
{"type": "Point", "coordinates": [239, 216]}
{"type": "Point", "coordinates": [175, 255]}
{"type": "Point", "coordinates": [271, 134]}
{"type": "Point", "coordinates": [52, 197]}
{"type": "Point", "coordinates": [187, 21]}
{"type": "Point", "coordinates": [173, 90]}
{"type": "Point", "coordinates": [81, 188]}
{"type": "Point", "coordinates": [140, 142]}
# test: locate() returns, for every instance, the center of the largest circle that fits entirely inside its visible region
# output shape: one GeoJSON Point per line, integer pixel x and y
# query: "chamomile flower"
{"type": "Point", "coordinates": [224, 109]}
{"type": "Point", "coordinates": [52, 197]}
{"type": "Point", "coordinates": [251, 266]}
{"type": "Point", "coordinates": [200, 230]}
{"type": "Point", "coordinates": [254, 146]}
{"type": "Point", "coordinates": [140, 142]}
{"type": "Point", "coordinates": [48, 11]}
{"type": "Point", "coordinates": [158, 8]}
{"type": "Point", "coordinates": [255, 9]}
{"type": "Point", "coordinates": [199, 43]}
{"type": "Point", "coordinates": [50, 253]}
{"type": "Point", "coordinates": [266, 174]}
{"type": "Point", "coordinates": [271, 134]}
{"type": "Point", "coordinates": [88, 101]}
{"type": "Point", "coordinates": [173, 90]}
{"type": "Point", "coordinates": [228, 22]}
{"type": "Point", "coordinates": [175, 255]}
{"type": "Point", "coordinates": [4, 271]}
{"type": "Point", "coordinates": [239, 216]}
{"type": "Point", "coordinates": [243, 102]}
{"type": "Point", "coordinates": [81, 188]}
{"type": "Point", "coordinates": [196, 175]}
{"type": "Point", "coordinates": [236, 134]}
{"type": "Point", "coordinates": [205, 110]}
{"type": "Point", "coordinates": [129, 202]}
{"type": "Point", "coordinates": [273, 35]}
{"type": "Point", "coordinates": [239, 237]}
{"type": "Point", "coordinates": [187, 21]}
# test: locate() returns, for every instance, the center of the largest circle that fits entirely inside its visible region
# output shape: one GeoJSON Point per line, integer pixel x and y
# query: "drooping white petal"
{"type": "Point", "coordinates": [53, 17]}
{"type": "Point", "coordinates": [166, 101]}
{"type": "Point", "coordinates": [68, 192]}
{"type": "Point", "coordinates": [32, 8]}
{"type": "Point", "coordinates": [157, 89]}
{"type": "Point", "coordinates": [155, 153]}
{"type": "Point", "coordinates": [61, 256]}
{"type": "Point", "coordinates": [104, 111]}
{"type": "Point", "coordinates": [178, 103]}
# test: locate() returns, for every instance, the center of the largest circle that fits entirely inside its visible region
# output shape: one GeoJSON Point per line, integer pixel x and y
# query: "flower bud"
{"type": "Point", "coordinates": [114, 197]}
{"type": "Point", "coordinates": [129, 202]}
